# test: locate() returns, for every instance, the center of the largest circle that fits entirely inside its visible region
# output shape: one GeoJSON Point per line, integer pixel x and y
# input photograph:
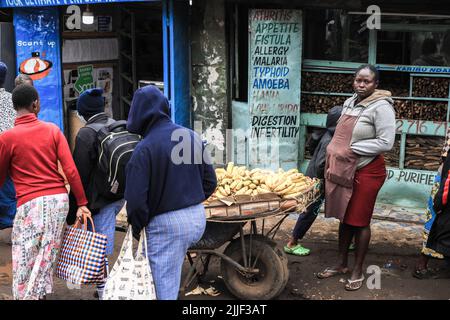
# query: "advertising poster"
{"type": "Point", "coordinates": [76, 81]}
{"type": "Point", "coordinates": [274, 86]}
{"type": "Point", "coordinates": [39, 56]}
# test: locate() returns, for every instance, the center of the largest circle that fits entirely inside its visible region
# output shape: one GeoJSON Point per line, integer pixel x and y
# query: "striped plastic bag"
{"type": "Point", "coordinates": [82, 258]}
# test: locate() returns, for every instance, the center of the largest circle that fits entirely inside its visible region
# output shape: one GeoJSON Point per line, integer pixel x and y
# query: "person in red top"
{"type": "Point", "coordinates": [30, 153]}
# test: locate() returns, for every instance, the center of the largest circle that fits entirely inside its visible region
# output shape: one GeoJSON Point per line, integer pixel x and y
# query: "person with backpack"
{"type": "Point", "coordinates": [30, 153]}
{"type": "Point", "coordinates": [316, 167]}
{"type": "Point", "coordinates": [169, 176]}
{"type": "Point", "coordinates": [87, 152]}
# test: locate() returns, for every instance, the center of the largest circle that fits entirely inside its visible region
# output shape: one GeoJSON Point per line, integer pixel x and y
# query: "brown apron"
{"type": "Point", "coordinates": [340, 168]}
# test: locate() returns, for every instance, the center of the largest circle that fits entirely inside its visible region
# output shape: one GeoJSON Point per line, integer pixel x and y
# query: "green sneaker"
{"type": "Point", "coordinates": [351, 247]}
{"type": "Point", "coordinates": [297, 250]}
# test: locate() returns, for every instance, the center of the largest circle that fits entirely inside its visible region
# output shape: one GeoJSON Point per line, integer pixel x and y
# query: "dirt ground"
{"type": "Point", "coordinates": [395, 258]}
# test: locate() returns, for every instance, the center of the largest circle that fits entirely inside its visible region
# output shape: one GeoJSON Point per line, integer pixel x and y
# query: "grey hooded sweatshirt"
{"type": "Point", "coordinates": [374, 133]}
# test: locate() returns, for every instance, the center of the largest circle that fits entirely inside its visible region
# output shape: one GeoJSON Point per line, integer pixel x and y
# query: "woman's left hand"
{"type": "Point", "coordinates": [83, 210]}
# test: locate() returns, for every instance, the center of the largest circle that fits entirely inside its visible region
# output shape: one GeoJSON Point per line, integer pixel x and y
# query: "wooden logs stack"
{"type": "Point", "coordinates": [431, 87]}
{"type": "Point", "coordinates": [327, 82]}
{"type": "Point", "coordinates": [420, 110]}
{"type": "Point", "coordinates": [423, 153]}
{"type": "Point", "coordinates": [397, 85]}
{"type": "Point", "coordinates": [320, 104]}
{"type": "Point", "coordinates": [431, 110]}
{"type": "Point", "coordinates": [392, 157]}
{"type": "Point", "coordinates": [403, 110]}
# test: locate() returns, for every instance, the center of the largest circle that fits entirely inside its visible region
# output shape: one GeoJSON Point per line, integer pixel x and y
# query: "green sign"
{"type": "Point", "coordinates": [85, 79]}
{"type": "Point", "coordinates": [274, 87]}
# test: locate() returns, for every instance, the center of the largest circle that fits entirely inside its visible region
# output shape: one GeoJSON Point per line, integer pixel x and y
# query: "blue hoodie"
{"type": "Point", "coordinates": [155, 184]}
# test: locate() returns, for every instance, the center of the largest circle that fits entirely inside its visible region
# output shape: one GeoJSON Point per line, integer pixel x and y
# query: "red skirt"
{"type": "Point", "coordinates": [368, 181]}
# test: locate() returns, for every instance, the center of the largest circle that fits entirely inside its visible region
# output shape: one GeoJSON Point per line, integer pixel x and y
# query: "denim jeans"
{"type": "Point", "coordinates": [105, 222]}
{"type": "Point", "coordinates": [306, 219]}
{"type": "Point", "coordinates": [7, 204]}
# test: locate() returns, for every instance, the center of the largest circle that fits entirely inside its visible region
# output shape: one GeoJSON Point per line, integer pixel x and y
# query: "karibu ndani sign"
{"type": "Point", "coordinates": [274, 86]}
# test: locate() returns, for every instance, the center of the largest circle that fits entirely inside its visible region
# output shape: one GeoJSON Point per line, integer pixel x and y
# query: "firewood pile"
{"type": "Point", "coordinates": [420, 110]}
{"type": "Point", "coordinates": [431, 87]}
{"type": "Point", "coordinates": [327, 82]}
{"type": "Point", "coordinates": [423, 153]}
{"type": "Point", "coordinates": [397, 85]}
{"type": "Point", "coordinates": [392, 157]}
{"type": "Point", "coordinates": [320, 104]}
{"type": "Point", "coordinates": [403, 110]}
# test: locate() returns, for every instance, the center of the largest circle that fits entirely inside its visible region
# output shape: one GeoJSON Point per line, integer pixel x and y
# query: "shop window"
{"type": "Point", "coordinates": [422, 48]}
{"type": "Point", "coordinates": [335, 35]}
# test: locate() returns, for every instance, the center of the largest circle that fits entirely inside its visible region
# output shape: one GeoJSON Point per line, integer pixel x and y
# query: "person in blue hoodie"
{"type": "Point", "coordinates": [167, 179]}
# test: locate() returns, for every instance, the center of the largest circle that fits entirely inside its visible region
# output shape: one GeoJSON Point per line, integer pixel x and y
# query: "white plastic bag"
{"type": "Point", "coordinates": [131, 277]}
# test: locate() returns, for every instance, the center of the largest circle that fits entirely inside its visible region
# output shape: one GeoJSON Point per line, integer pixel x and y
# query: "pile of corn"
{"type": "Point", "coordinates": [234, 180]}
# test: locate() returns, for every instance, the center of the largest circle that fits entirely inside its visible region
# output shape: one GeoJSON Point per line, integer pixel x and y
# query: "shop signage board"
{"type": "Point", "coordinates": [403, 187]}
{"type": "Point", "coordinates": [50, 3]}
{"type": "Point", "coordinates": [274, 87]}
{"type": "Point", "coordinates": [39, 55]}
{"type": "Point", "coordinates": [418, 69]}
{"type": "Point", "coordinates": [407, 188]}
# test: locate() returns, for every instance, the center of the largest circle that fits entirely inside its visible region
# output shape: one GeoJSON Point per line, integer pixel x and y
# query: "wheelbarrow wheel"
{"type": "Point", "coordinates": [273, 273]}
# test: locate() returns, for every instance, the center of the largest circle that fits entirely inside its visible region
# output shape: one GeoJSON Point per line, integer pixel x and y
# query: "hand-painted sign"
{"type": "Point", "coordinates": [49, 3]}
{"type": "Point", "coordinates": [416, 69]}
{"type": "Point", "coordinates": [407, 188]}
{"type": "Point", "coordinates": [39, 56]}
{"type": "Point", "coordinates": [422, 127]}
{"type": "Point", "coordinates": [274, 84]}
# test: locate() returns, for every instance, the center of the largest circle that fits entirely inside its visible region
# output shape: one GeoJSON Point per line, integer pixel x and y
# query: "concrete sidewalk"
{"type": "Point", "coordinates": [390, 224]}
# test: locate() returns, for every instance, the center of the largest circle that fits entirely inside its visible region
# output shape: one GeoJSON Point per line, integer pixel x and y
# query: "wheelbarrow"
{"type": "Point", "coordinates": [252, 266]}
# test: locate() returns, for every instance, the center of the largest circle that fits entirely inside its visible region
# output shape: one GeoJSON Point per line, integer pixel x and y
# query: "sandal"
{"type": "Point", "coordinates": [330, 272]}
{"type": "Point", "coordinates": [297, 250]}
{"type": "Point", "coordinates": [353, 285]}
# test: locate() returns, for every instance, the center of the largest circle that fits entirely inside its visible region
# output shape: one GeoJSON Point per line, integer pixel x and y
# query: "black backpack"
{"type": "Point", "coordinates": [114, 148]}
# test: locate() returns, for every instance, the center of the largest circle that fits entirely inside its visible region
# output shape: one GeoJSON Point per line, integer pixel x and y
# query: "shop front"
{"type": "Point", "coordinates": [67, 47]}
{"type": "Point", "coordinates": [289, 63]}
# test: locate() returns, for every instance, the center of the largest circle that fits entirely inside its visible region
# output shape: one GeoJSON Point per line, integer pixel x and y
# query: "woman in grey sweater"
{"type": "Point", "coordinates": [355, 170]}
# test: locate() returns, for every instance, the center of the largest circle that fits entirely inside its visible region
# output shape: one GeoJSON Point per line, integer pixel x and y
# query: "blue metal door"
{"type": "Point", "coordinates": [177, 60]}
